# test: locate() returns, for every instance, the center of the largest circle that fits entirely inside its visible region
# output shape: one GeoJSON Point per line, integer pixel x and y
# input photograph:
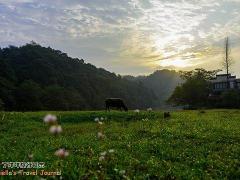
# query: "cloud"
{"type": "Point", "coordinates": [139, 33]}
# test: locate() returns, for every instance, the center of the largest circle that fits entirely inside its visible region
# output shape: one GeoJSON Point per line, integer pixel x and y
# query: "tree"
{"type": "Point", "coordinates": [195, 90]}
{"type": "Point", "coordinates": [28, 96]}
{"type": "Point", "coordinates": [54, 98]}
{"type": "Point", "coordinates": [7, 93]}
{"type": "Point", "coordinates": [74, 100]}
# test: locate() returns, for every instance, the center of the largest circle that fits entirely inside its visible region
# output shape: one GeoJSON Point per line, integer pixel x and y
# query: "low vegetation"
{"type": "Point", "coordinates": [188, 144]}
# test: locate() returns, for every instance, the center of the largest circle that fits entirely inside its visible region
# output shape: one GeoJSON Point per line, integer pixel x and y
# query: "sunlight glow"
{"type": "Point", "coordinates": [179, 63]}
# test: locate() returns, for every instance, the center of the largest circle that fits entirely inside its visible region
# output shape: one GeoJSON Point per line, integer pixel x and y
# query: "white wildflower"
{"type": "Point", "coordinates": [111, 151]}
{"type": "Point", "coordinates": [49, 119]}
{"type": "Point", "coordinates": [137, 111]}
{"type": "Point", "coordinates": [62, 153]}
{"type": "Point", "coordinates": [103, 153]}
{"type": "Point", "coordinates": [96, 119]}
{"type": "Point", "coordinates": [56, 129]}
{"type": "Point", "coordinates": [100, 135]}
{"type": "Point", "coordinates": [122, 172]}
{"type": "Point", "coordinates": [101, 158]}
{"type": "Point", "coordinates": [102, 118]}
{"type": "Point", "coordinates": [100, 123]}
{"type": "Point", "coordinates": [30, 156]}
{"type": "Point", "coordinates": [149, 109]}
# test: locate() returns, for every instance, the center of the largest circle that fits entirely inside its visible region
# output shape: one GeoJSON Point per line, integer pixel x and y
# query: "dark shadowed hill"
{"type": "Point", "coordinates": [162, 83]}
{"type": "Point", "coordinates": [33, 77]}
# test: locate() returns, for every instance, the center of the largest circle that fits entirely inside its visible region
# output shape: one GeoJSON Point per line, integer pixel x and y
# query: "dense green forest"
{"type": "Point", "coordinates": [33, 77]}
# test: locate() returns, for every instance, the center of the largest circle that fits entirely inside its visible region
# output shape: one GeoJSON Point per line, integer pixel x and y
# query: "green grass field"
{"type": "Point", "coordinates": [188, 145]}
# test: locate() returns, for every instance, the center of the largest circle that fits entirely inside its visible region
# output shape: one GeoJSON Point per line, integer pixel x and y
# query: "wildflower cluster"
{"type": "Point", "coordinates": [106, 155]}
{"type": "Point", "coordinates": [145, 119]}
{"type": "Point", "coordinates": [55, 129]}
{"type": "Point", "coordinates": [99, 119]}
{"type": "Point", "coordinates": [106, 158]}
{"type": "Point", "coordinates": [121, 173]}
{"type": "Point", "coordinates": [106, 161]}
{"type": "Point", "coordinates": [51, 120]}
{"type": "Point", "coordinates": [100, 123]}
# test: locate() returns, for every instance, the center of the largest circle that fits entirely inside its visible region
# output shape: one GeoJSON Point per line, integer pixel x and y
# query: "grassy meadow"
{"type": "Point", "coordinates": [188, 145]}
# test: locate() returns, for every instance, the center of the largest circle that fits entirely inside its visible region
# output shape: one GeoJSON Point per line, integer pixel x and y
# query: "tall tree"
{"type": "Point", "coordinates": [28, 96]}
{"type": "Point", "coordinates": [195, 90]}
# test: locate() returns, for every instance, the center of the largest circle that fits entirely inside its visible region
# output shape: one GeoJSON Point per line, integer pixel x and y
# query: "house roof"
{"type": "Point", "coordinates": [223, 78]}
{"type": "Point", "coordinates": [222, 75]}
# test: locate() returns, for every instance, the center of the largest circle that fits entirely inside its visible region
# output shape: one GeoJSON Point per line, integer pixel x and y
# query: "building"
{"type": "Point", "coordinates": [221, 83]}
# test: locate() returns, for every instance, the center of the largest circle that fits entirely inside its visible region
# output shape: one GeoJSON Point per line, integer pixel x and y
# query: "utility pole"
{"type": "Point", "coordinates": [226, 58]}
{"type": "Point", "coordinates": [227, 61]}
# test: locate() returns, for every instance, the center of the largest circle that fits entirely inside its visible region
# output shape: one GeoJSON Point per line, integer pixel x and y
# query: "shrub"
{"type": "Point", "coordinates": [230, 99]}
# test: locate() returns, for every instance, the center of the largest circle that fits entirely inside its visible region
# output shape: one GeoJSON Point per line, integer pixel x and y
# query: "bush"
{"type": "Point", "coordinates": [230, 99]}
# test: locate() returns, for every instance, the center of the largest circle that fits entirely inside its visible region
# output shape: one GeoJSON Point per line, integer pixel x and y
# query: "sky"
{"type": "Point", "coordinates": [134, 37]}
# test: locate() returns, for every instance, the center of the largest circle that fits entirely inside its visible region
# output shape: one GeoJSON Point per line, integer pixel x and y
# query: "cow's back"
{"type": "Point", "coordinates": [116, 103]}
{"type": "Point", "coordinates": [113, 101]}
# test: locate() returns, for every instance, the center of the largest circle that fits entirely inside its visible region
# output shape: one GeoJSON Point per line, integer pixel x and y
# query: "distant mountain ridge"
{"type": "Point", "coordinates": [161, 82]}
{"type": "Point", "coordinates": [33, 78]}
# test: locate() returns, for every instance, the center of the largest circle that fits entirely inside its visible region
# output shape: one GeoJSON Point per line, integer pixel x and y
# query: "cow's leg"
{"type": "Point", "coordinates": [107, 108]}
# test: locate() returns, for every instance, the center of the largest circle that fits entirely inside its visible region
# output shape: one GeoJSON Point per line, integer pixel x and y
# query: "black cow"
{"type": "Point", "coordinates": [166, 115]}
{"type": "Point", "coordinates": [115, 103]}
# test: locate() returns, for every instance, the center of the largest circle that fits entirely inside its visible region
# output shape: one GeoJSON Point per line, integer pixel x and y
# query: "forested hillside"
{"type": "Point", "coordinates": [162, 82]}
{"type": "Point", "coordinates": [33, 77]}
